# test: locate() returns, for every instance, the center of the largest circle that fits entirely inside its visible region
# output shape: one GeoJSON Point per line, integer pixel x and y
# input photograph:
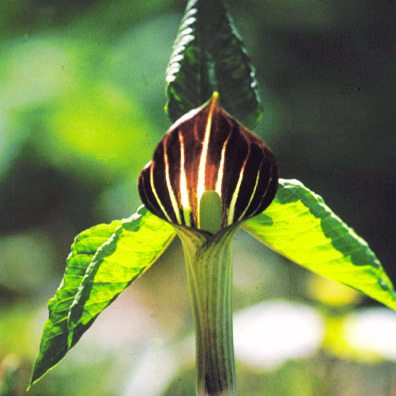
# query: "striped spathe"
{"type": "Point", "coordinates": [208, 150]}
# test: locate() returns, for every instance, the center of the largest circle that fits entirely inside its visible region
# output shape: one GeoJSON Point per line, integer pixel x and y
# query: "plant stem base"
{"type": "Point", "coordinates": [209, 271]}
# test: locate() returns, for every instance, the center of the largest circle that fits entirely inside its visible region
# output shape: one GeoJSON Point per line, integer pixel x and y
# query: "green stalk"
{"type": "Point", "coordinates": [209, 271]}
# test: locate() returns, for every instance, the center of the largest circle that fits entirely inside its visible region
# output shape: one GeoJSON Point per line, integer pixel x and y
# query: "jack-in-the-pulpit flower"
{"type": "Point", "coordinates": [208, 151]}
{"type": "Point", "coordinates": [208, 174]}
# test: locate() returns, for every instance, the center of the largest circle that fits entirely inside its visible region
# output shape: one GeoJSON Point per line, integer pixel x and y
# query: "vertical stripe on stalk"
{"type": "Point", "coordinates": [169, 185]}
{"type": "Point", "coordinates": [155, 192]}
{"type": "Point", "coordinates": [210, 283]}
{"type": "Point", "coordinates": [184, 195]}
{"type": "Point", "coordinates": [204, 154]}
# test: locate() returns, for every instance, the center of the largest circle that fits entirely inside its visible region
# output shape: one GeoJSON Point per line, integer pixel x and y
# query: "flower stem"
{"type": "Point", "coordinates": [209, 271]}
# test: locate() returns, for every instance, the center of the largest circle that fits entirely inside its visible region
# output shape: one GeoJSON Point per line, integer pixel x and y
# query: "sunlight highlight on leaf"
{"type": "Point", "coordinates": [104, 260]}
{"type": "Point", "coordinates": [300, 226]}
{"type": "Point", "coordinates": [132, 249]}
{"type": "Point", "coordinates": [53, 346]}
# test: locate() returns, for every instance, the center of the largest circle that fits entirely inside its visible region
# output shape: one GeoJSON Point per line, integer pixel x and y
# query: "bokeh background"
{"type": "Point", "coordinates": [81, 109]}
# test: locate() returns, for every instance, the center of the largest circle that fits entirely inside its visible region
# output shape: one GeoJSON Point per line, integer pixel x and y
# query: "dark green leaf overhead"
{"type": "Point", "coordinates": [208, 55]}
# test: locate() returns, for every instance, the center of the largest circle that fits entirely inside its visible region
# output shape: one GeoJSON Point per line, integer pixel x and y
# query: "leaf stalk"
{"type": "Point", "coordinates": [209, 272]}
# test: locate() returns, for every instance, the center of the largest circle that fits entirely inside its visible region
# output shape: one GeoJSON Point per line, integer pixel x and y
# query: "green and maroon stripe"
{"type": "Point", "coordinates": [208, 150]}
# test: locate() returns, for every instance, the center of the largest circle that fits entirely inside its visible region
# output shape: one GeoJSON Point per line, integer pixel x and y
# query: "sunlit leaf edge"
{"type": "Point", "coordinates": [102, 280]}
{"type": "Point", "coordinates": [333, 249]}
{"type": "Point", "coordinates": [83, 249]}
{"type": "Point", "coordinates": [98, 254]}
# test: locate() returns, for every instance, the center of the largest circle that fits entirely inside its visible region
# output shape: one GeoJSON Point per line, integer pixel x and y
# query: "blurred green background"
{"type": "Point", "coordinates": [81, 110]}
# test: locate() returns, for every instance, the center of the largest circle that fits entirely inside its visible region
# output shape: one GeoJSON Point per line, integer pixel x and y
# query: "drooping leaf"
{"type": "Point", "coordinates": [208, 55]}
{"type": "Point", "coordinates": [53, 346]}
{"type": "Point", "coordinates": [300, 226]}
{"type": "Point", "coordinates": [103, 261]}
{"type": "Point", "coordinates": [134, 247]}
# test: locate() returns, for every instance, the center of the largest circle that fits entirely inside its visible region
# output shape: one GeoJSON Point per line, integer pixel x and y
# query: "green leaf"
{"type": "Point", "coordinates": [300, 226]}
{"type": "Point", "coordinates": [53, 346]}
{"type": "Point", "coordinates": [208, 55]}
{"type": "Point", "coordinates": [103, 261]}
{"type": "Point", "coordinates": [134, 247]}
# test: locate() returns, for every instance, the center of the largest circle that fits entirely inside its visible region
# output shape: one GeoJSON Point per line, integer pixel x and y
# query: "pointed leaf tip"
{"type": "Point", "coordinates": [92, 273]}
{"type": "Point", "coordinates": [209, 55]}
{"type": "Point", "coordinates": [300, 226]}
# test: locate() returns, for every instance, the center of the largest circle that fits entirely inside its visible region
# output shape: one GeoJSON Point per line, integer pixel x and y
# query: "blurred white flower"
{"type": "Point", "coordinates": [270, 333]}
{"type": "Point", "coordinates": [372, 332]}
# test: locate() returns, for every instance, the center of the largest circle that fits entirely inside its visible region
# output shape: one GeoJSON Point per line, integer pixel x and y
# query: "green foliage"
{"type": "Point", "coordinates": [300, 226]}
{"type": "Point", "coordinates": [78, 116]}
{"type": "Point", "coordinates": [208, 55]}
{"type": "Point", "coordinates": [54, 341]}
{"type": "Point", "coordinates": [17, 253]}
{"type": "Point", "coordinates": [103, 261]}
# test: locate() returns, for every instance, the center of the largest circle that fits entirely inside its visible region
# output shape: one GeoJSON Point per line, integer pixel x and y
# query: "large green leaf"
{"type": "Point", "coordinates": [103, 261]}
{"type": "Point", "coordinates": [300, 226]}
{"type": "Point", "coordinates": [53, 346]}
{"type": "Point", "coordinates": [208, 55]}
{"type": "Point", "coordinates": [131, 251]}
